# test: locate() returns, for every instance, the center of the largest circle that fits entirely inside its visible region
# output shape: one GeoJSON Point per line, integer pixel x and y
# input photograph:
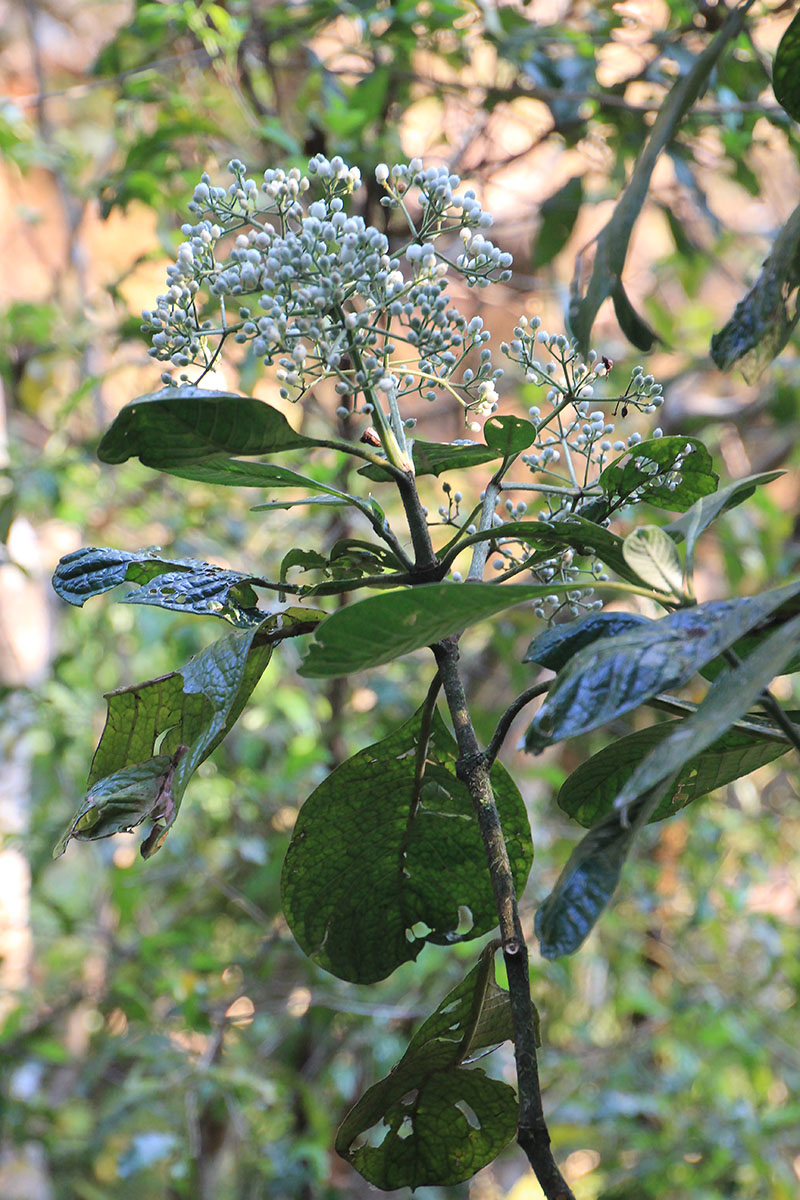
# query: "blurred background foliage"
{"type": "Point", "coordinates": [161, 1035]}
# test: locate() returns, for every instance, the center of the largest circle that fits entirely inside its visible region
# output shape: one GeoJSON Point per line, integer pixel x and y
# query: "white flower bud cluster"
{"type": "Point", "coordinates": [318, 291]}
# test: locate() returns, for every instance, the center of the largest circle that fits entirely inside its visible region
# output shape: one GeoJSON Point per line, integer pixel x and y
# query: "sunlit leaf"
{"type": "Point", "coordinates": [651, 553]}
{"type": "Point", "coordinates": [508, 435]}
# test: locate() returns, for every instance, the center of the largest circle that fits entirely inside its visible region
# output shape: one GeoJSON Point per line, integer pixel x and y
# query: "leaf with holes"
{"type": "Point", "coordinates": [667, 472]}
{"type": "Point", "coordinates": [652, 555]}
{"type": "Point", "coordinates": [381, 848]}
{"type": "Point", "coordinates": [183, 716]}
{"type": "Point", "coordinates": [589, 793]}
{"type": "Point", "coordinates": [616, 674]}
{"type": "Point", "coordinates": [183, 584]}
{"type": "Point", "coordinates": [434, 1122]}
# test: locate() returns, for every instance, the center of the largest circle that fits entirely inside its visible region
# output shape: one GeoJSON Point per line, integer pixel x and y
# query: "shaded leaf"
{"type": "Point", "coordinates": [381, 628]}
{"type": "Point", "coordinates": [508, 435]}
{"type": "Point", "coordinates": [376, 850]}
{"type": "Point", "coordinates": [611, 244]}
{"type": "Point", "coordinates": [176, 427]}
{"type": "Point", "coordinates": [558, 215]}
{"type": "Point", "coordinates": [786, 70]}
{"type": "Point", "coordinates": [614, 675]}
{"type": "Point", "coordinates": [636, 329]}
{"type": "Point", "coordinates": [554, 647]}
{"type": "Point", "coordinates": [589, 792]}
{"type": "Point", "coordinates": [731, 694]}
{"type": "Point", "coordinates": [651, 553]}
{"type": "Point", "coordinates": [443, 1122]}
{"type": "Point", "coordinates": [764, 319]}
{"type": "Point", "coordinates": [587, 538]}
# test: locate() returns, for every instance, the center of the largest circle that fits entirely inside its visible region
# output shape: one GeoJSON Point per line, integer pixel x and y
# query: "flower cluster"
{"type": "Point", "coordinates": [319, 292]}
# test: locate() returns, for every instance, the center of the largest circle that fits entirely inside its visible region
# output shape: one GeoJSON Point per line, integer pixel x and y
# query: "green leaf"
{"type": "Point", "coordinates": [583, 889]}
{"type": "Point", "coordinates": [587, 538]}
{"type": "Point", "coordinates": [731, 694]}
{"type": "Point", "coordinates": [307, 560]}
{"type": "Point", "coordinates": [434, 458]}
{"type": "Point", "coordinates": [558, 215]}
{"type": "Point", "coordinates": [235, 472]}
{"type": "Point", "coordinates": [614, 675]}
{"type": "Point", "coordinates": [611, 244]}
{"type": "Point", "coordinates": [589, 793]}
{"type": "Point", "coordinates": [651, 553]}
{"type": "Point", "coordinates": [379, 848]}
{"type": "Point", "coordinates": [186, 714]}
{"type": "Point", "coordinates": [786, 70]}
{"type": "Point", "coordinates": [764, 319]}
{"type": "Point", "coordinates": [183, 584]}
{"type": "Point", "coordinates": [636, 329]}
{"type": "Point", "coordinates": [176, 427]}
{"type": "Point", "coordinates": [381, 628]}
{"type": "Point", "coordinates": [691, 524]}
{"type": "Point", "coordinates": [554, 647]}
{"type": "Point", "coordinates": [667, 472]}
{"type": "Point", "coordinates": [508, 435]}
{"type": "Point", "coordinates": [442, 1122]}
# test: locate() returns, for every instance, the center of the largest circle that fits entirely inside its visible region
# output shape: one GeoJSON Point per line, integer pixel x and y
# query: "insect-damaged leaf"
{"type": "Point", "coordinates": [187, 714]}
{"type": "Point", "coordinates": [764, 319]}
{"type": "Point", "coordinates": [176, 427]}
{"type": "Point", "coordinates": [616, 674]}
{"type": "Point", "coordinates": [442, 1122]}
{"type": "Point", "coordinates": [184, 584]}
{"type": "Point", "coordinates": [667, 472]}
{"type": "Point", "coordinates": [508, 435]}
{"type": "Point", "coordinates": [589, 793]}
{"type": "Point", "coordinates": [379, 849]}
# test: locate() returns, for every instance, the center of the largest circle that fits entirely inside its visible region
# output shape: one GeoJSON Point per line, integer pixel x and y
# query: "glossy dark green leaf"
{"type": "Point", "coordinates": [765, 318]}
{"type": "Point", "coordinates": [691, 524]}
{"type": "Point", "coordinates": [434, 458]}
{"type": "Point", "coordinates": [583, 889]}
{"type": "Point", "coordinates": [183, 584]}
{"type": "Point", "coordinates": [633, 325]}
{"type": "Point", "coordinates": [611, 244]}
{"type": "Point", "coordinates": [508, 435]}
{"type": "Point", "coordinates": [554, 647]}
{"type": "Point", "coordinates": [558, 214]}
{"type": "Point", "coordinates": [176, 427]}
{"type": "Point", "coordinates": [442, 1122]}
{"type": "Point", "coordinates": [728, 698]}
{"type": "Point", "coordinates": [589, 539]}
{"type": "Point", "coordinates": [668, 472]}
{"type": "Point", "coordinates": [376, 851]}
{"type": "Point", "coordinates": [615, 675]}
{"type": "Point", "coordinates": [186, 714]}
{"type": "Point", "coordinates": [381, 628]}
{"type": "Point", "coordinates": [786, 70]}
{"type": "Point", "coordinates": [589, 792]}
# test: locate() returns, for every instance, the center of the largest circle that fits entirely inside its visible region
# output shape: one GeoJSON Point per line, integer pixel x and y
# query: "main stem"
{"type": "Point", "coordinates": [532, 1132]}
{"type": "Point", "coordinates": [473, 769]}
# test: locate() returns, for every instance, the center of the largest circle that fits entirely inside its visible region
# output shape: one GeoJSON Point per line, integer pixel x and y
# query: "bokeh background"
{"type": "Point", "coordinates": [161, 1035]}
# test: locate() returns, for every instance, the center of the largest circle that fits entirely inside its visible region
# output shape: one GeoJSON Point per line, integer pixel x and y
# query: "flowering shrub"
{"type": "Point", "coordinates": [378, 867]}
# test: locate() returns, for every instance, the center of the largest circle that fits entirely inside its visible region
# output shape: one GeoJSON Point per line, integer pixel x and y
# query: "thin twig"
{"type": "Point", "coordinates": [504, 724]}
